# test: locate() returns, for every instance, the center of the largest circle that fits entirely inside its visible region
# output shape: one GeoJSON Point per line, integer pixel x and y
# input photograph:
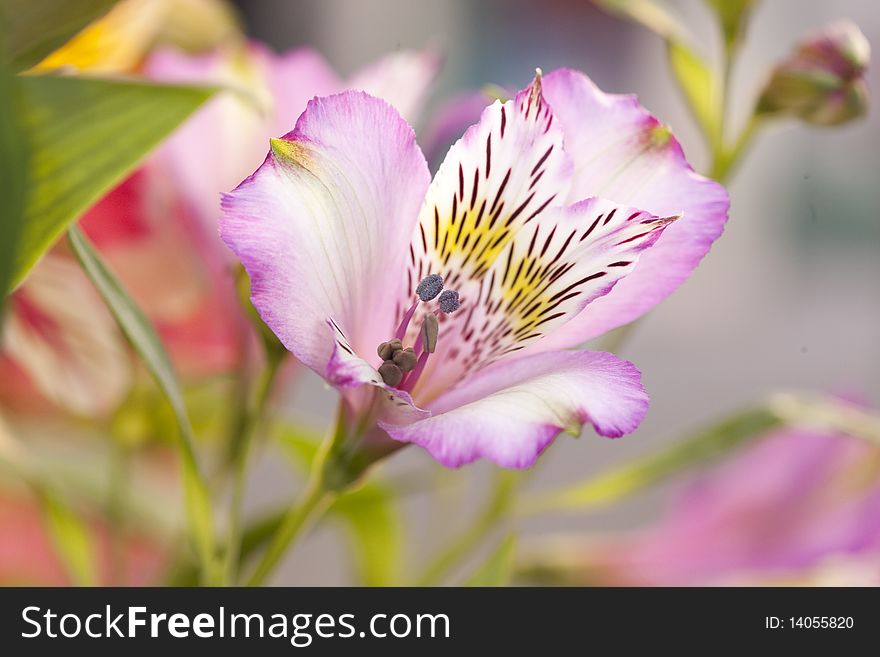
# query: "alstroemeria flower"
{"type": "Point", "coordinates": [343, 233]}
{"type": "Point", "coordinates": [797, 507]}
{"type": "Point", "coordinates": [28, 557]}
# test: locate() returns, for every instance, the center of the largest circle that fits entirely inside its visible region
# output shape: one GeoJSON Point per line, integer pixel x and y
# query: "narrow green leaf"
{"type": "Point", "coordinates": [498, 567]}
{"type": "Point", "coordinates": [38, 27]}
{"type": "Point", "coordinates": [13, 164]}
{"type": "Point", "coordinates": [84, 135]}
{"type": "Point", "coordinates": [708, 444]}
{"type": "Point", "coordinates": [369, 516]}
{"type": "Point", "coordinates": [71, 538]}
{"type": "Point", "coordinates": [699, 86]}
{"type": "Point", "coordinates": [143, 338]}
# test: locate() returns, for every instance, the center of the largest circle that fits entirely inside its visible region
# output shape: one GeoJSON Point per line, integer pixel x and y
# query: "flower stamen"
{"type": "Point", "coordinates": [449, 301]}
{"type": "Point", "coordinates": [401, 367]}
{"type": "Point", "coordinates": [427, 289]}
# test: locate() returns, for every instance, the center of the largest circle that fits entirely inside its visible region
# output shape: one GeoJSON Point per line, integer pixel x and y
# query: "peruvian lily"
{"type": "Point", "coordinates": [30, 558]}
{"type": "Point", "coordinates": [800, 506]}
{"type": "Point", "coordinates": [347, 241]}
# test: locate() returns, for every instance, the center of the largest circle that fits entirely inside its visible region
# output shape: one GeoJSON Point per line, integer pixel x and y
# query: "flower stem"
{"type": "Point", "coordinates": [494, 511]}
{"type": "Point", "coordinates": [117, 498]}
{"type": "Point", "coordinates": [329, 478]}
{"type": "Point", "coordinates": [725, 160]}
{"type": "Point", "coordinates": [241, 451]}
{"type": "Point", "coordinates": [316, 500]}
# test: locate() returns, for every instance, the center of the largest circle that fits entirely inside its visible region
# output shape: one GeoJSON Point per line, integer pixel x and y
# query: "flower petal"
{"type": "Point", "coordinates": [545, 276]}
{"type": "Point", "coordinates": [551, 270]}
{"type": "Point", "coordinates": [450, 121]}
{"type": "Point", "coordinates": [294, 78]}
{"type": "Point", "coordinates": [402, 78]}
{"type": "Point", "coordinates": [623, 153]}
{"type": "Point", "coordinates": [511, 412]}
{"type": "Point", "coordinates": [323, 226]}
{"type": "Point", "coordinates": [500, 175]}
{"type": "Point", "coordinates": [236, 129]}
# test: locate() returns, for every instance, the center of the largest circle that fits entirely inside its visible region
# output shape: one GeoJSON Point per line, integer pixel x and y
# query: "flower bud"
{"type": "Point", "coordinates": [823, 81]}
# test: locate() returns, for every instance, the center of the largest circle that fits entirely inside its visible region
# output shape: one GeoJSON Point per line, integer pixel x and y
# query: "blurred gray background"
{"type": "Point", "coordinates": [788, 298]}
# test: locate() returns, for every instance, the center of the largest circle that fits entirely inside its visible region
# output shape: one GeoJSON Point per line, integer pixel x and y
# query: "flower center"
{"type": "Point", "coordinates": [402, 366]}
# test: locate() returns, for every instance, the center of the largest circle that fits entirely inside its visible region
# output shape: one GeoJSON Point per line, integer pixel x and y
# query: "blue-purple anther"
{"type": "Point", "coordinates": [429, 287]}
{"type": "Point", "coordinates": [449, 301]}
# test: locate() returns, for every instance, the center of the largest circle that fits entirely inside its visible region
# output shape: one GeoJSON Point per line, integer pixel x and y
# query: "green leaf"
{"type": "Point", "coordinates": [699, 86]}
{"type": "Point", "coordinates": [71, 538]}
{"type": "Point", "coordinates": [497, 569]}
{"type": "Point", "coordinates": [369, 515]}
{"type": "Point", "coordinates": [710, 443]}
{"type": "Point", "coordinates": [13, 163]}
{"type": "Point", "coordinates": [143, 338]}
{"type": "Point", "coordinates": [38, 27]}
{"type": "Point", "coordinates": [84, 135]}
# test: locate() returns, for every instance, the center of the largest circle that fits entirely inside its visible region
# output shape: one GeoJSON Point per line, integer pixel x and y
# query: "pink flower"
{"type": "Point", "coordinates": [797, 506]}
{"type": "Point", "coordinates": [341, 223]}
{"type": "Point", "coordinates": [60, 344]}
{"type": "Point", "coordinates": [28, 558]}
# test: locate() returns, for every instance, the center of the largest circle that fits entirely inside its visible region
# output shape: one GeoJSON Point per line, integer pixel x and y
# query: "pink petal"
{"type": "Point", "coordinates": [323, 226]}
{"type": "Point", "coordinates": [791, 502]}
{"type": "Point", "coordinates": [511, 412]}
{"type": "Point", "coordinates": [402, 78]}
{"type": "Point", "coordinates": [623, 153]}
{"type": "Point", "coordinates": [553, 269]}
{"type": "Point", "coordinates": [506, 170]}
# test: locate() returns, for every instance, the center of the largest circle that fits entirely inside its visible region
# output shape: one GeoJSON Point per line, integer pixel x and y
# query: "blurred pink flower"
{"type": "Point", "coordinates": [30, 558]}
{"type": "Point", "coordinates": [343, 232]}
{"type": "Point", "coordinates": [158, 229]}
{"type": "Point", "coordinates": [61, 346]}
{"type": "Point", "coordinates": [796, 507]}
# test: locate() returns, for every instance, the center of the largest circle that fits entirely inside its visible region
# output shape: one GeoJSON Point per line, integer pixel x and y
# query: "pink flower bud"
{"type": "Point", "coordinates": [823, 81]}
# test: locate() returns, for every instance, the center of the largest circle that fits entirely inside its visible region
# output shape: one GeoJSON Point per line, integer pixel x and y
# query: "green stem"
{"type": "Point", "coordinates": [724, 162]}
{"type": "Point", "coordinates": [240, 452]}
{"type": "Point", "coordinates": [327, 481]}
{"type": "Point", "coordinates": [117, 498]}
{"type": "Point", "coordinates": [316, 500]}
{"type": "Point", "coordinates": [724, 101]}
{"type": "Point", "coordinates": [493, 512]}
